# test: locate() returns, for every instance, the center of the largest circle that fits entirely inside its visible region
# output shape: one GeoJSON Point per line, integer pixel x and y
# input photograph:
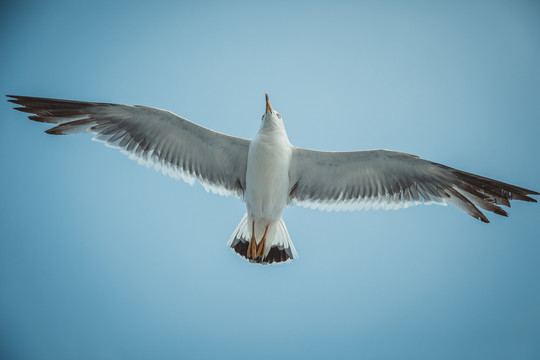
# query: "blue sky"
{"type": "Point", "coordinates": [101, 258]}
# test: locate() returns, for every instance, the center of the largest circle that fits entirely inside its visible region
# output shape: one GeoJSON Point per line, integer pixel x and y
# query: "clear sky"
{"type": "Point", "coordinates": [101, 258]}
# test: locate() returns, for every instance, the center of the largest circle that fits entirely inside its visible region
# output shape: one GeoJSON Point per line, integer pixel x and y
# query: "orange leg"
{"type": "Point", "coordinates": [262, 245]}
{"type": "Point", "coordinates": [252, 247]}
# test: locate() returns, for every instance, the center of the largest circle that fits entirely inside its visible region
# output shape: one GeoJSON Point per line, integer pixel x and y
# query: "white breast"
{"type": "Point", "coordinates": [267, 178]}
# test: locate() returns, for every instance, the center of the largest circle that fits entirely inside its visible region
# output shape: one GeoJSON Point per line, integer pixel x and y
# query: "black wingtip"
{"type": "Point", "coordinates": [54, 131]}
{"type": "Point", "coordinates": [14, 98]}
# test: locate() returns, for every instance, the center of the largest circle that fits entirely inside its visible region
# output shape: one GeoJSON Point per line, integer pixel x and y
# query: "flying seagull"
{"type": "Point", "coordinates": [268, 173]}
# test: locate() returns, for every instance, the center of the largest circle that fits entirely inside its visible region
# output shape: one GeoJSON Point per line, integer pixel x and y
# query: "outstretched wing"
{"type": "Point", "coordinates": [154, 137]}
{"type": "Point", "coordinates": [392, 180]}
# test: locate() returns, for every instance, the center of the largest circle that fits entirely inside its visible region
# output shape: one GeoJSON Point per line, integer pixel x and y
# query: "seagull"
{"type": "Point", "coordinates": [268, 173]}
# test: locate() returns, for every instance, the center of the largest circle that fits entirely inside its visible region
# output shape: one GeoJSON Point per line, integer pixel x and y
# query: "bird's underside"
{"type": "Point", "coordinates": [316, 179]}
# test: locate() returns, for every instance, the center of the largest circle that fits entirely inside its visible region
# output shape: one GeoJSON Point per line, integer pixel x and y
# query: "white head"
{"type": "Point", "coordinates": [271, 118]}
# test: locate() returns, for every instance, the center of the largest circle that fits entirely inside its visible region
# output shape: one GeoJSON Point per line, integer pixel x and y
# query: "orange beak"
{"type": "Point", "coordinates": [268, 106]}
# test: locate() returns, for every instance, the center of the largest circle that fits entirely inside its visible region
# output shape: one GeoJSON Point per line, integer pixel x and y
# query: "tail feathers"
{"type": "Point", "coordinates": [279, 247]}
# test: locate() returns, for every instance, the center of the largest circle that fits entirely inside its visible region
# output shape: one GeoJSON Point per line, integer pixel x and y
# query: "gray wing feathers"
{"type": "Point", "coordinates": [153, 137]}
{"type": "Point", "coordinates": [392, 180]}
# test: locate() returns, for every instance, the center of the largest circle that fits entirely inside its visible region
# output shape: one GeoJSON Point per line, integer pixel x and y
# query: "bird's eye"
{"type": "Point", "coordinates": [262, 118]}
{"type": "Point", "coordinates": [279, 116]}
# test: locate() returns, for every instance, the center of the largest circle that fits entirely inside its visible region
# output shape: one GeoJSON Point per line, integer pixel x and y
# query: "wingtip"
{"type": "Point", "coordinates": [53, 131]}
{"type": "Point", "coordinates": [500, 211]}
{"type": "Point", "coordinates": [13, 98]}
{"type": "Point", "coordinates": [531, 192]}
{"type": "Point", "coordinates": [482, 217]}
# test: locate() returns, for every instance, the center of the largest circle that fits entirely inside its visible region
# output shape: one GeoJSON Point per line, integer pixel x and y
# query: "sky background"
{"type": "Point", "coordinates": [101, 258]}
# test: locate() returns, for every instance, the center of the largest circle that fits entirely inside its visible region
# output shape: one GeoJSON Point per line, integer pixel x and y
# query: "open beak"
{"type": "Point", "coordinates": [268, 106]}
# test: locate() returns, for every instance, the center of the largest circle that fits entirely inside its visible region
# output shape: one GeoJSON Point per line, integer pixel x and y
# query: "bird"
{"type": "Point", "coordinates": [268, 173]}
